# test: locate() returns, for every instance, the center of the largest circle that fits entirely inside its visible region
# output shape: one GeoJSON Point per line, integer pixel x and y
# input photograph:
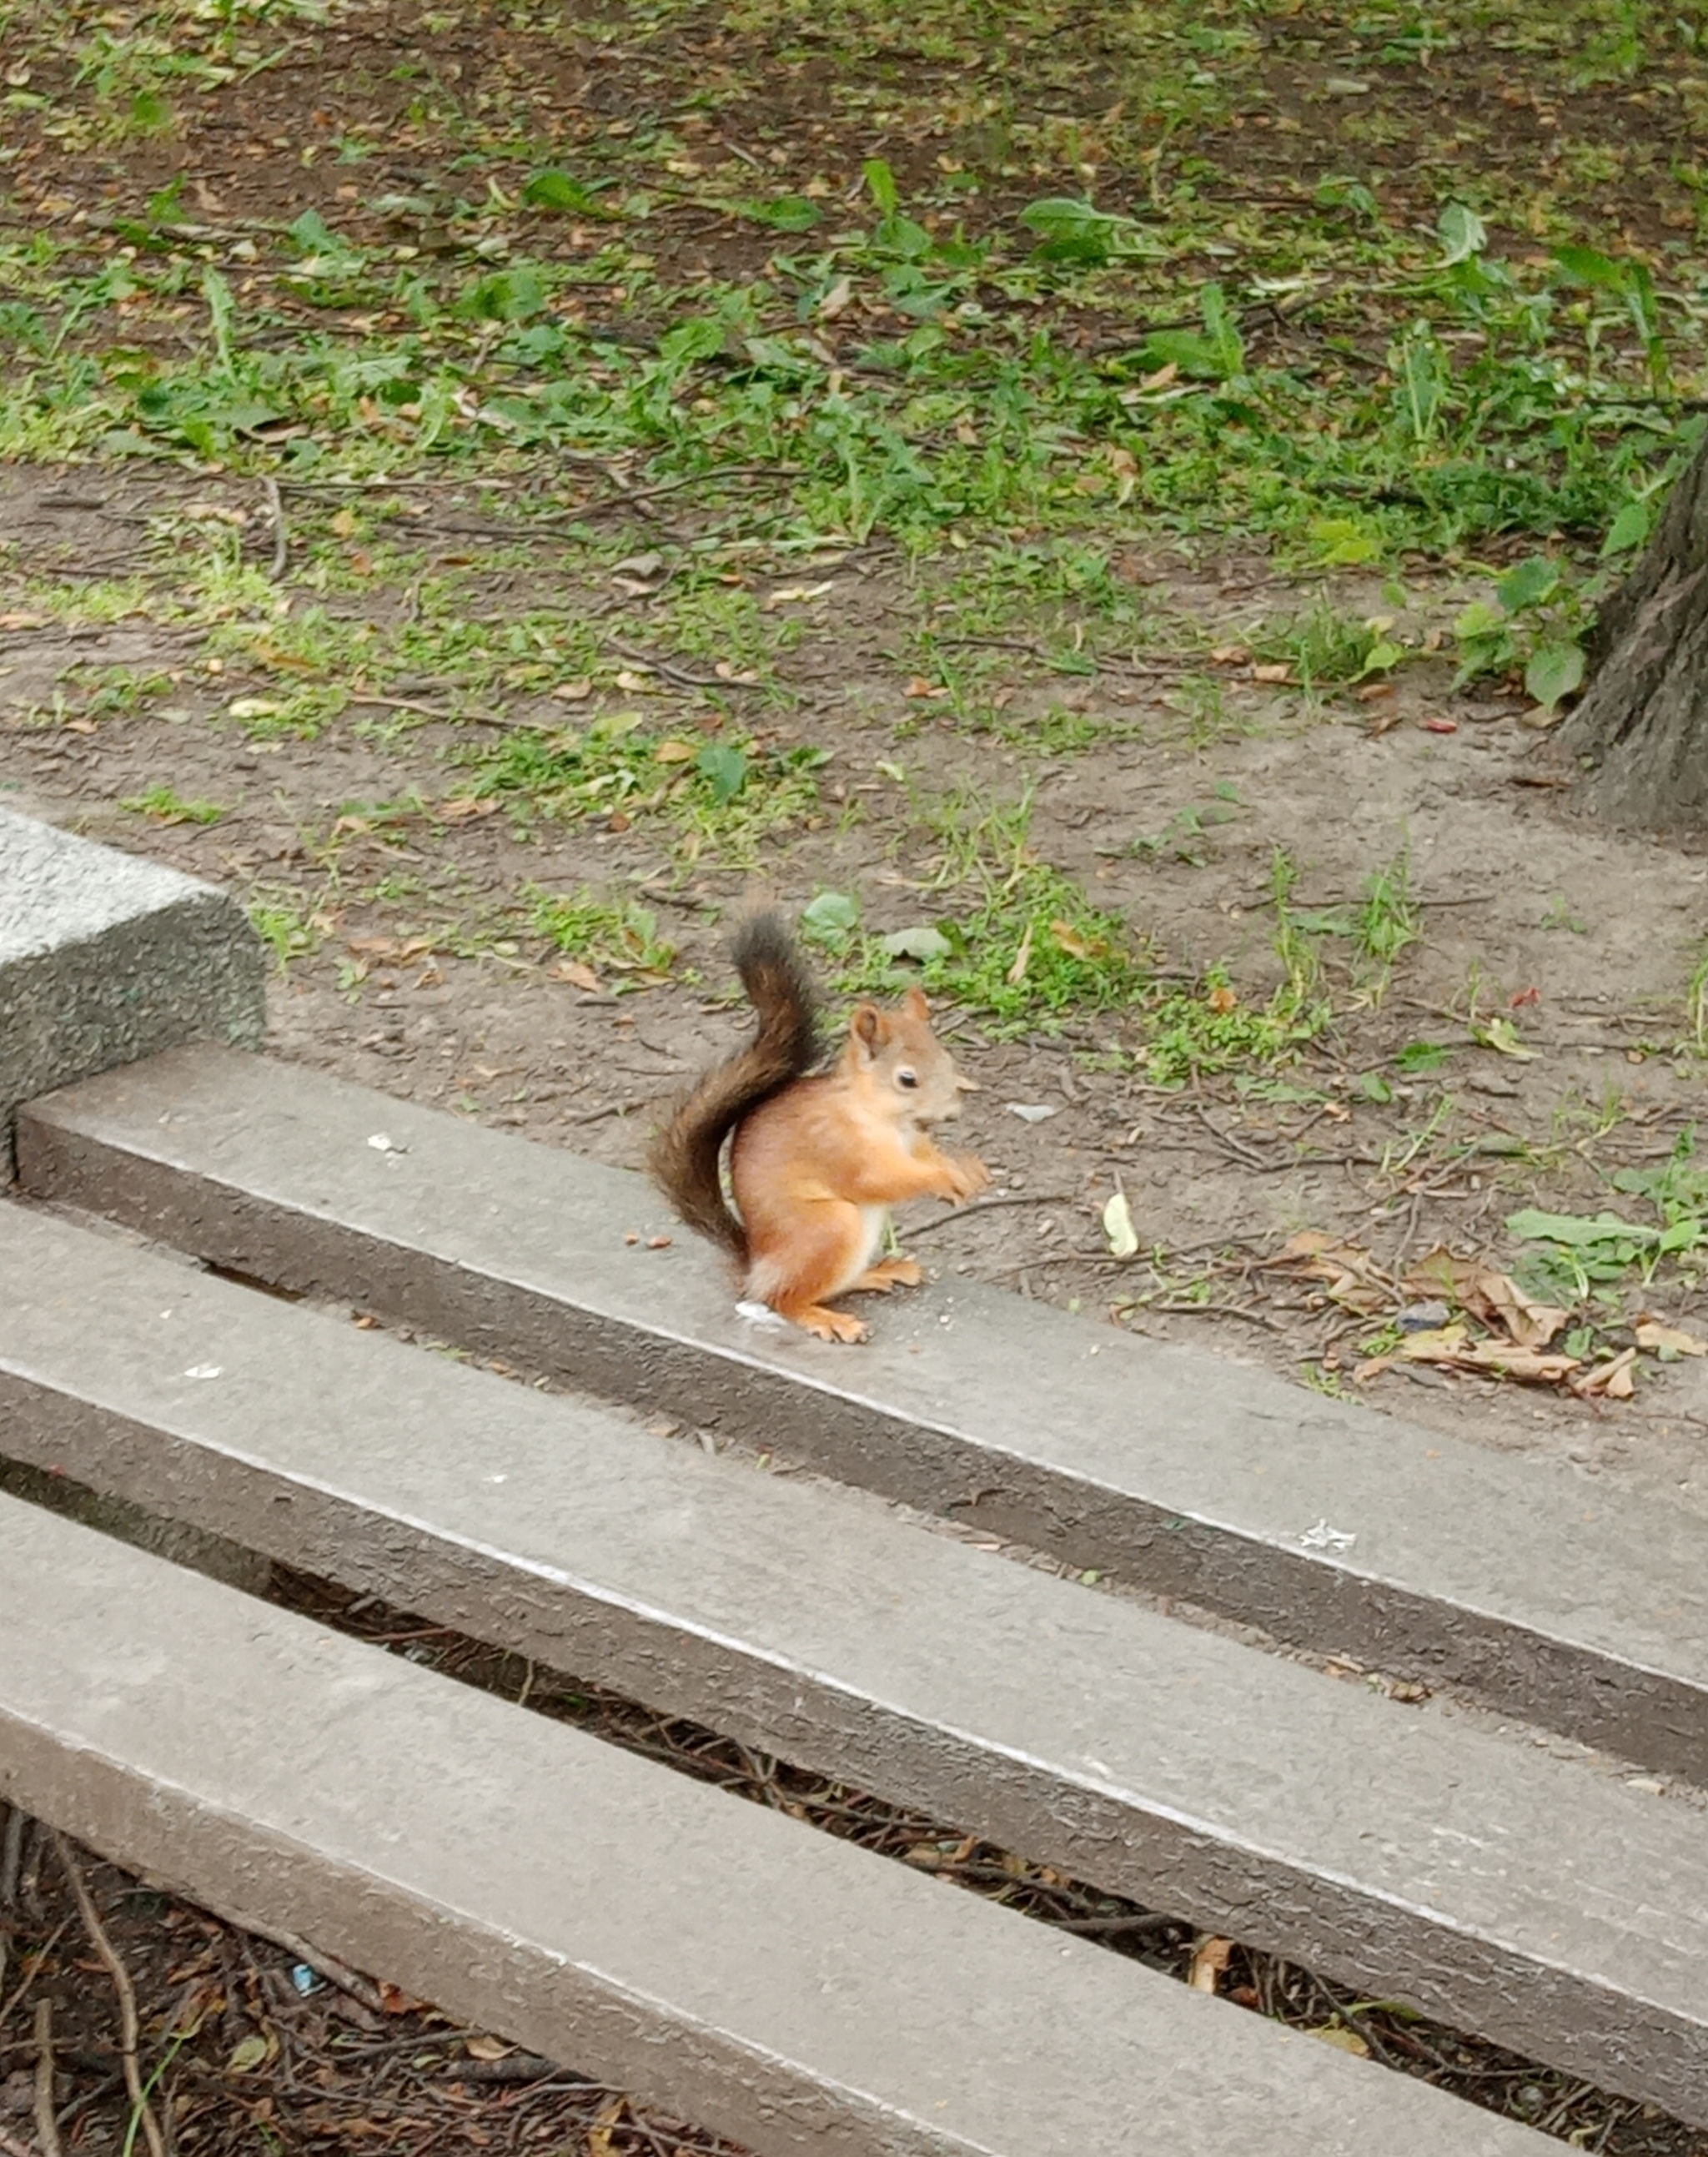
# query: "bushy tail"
{"type": "Point", "coordinates": [683, 1158]}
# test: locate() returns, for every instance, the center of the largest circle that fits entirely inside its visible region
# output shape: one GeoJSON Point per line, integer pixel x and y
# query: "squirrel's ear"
{"type": "Point", "coordinates": [867, 1028]}
{"type": "Point", "coordinates": [915, 1004]}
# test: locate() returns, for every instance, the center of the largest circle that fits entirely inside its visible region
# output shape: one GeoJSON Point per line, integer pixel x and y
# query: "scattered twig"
{"type": "Point", "coordinates": [361, 1989]}
{"type": "Point", "coordinates": [281, 530]}
{"type": "Point", "coordinates": [671, 672]}
{"type": "Point", "coordinates": [46, 2126]}
{"type": "Point", "coordinates": [597, 1115]}
{"type": "Point", "coordinates": [1184, 1307]}
{"type": "Point", "coordinates": [513, 2068]}
{"type": "Point", "coordinates": [406, 704]}
{"type": "Point", "coordinates": [11, 1863]}
{"type": "Point", "coordinates": [989, 1205]}
{"type": "Point", "coordinates": [38, 1964]}
{"type": "Point", "coordinates": [129, 2026]}
{"type": "Point", "coordinates": [1128, 1921]}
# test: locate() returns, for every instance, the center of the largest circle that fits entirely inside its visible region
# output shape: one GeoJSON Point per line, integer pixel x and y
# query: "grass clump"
{"type": "Point", "coordinates": [1028, 952]}
{"type": "Point", "coordinates": [728, 791]}
{"type": "Point", "coordinates": [167, 807]}
{"type": "Point", "coordinates": [609, 936]}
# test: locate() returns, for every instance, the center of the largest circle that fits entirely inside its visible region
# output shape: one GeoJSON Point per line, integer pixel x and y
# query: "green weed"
{"type": "Point", "coordinates": [167, 807]}
{"type": "Point", "coordinates": [288, 925]}
{"type": "Point", "coordinates": [616, 937]}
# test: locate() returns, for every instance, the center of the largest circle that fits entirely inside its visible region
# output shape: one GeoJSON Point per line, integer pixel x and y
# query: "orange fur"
{"type": "Point", "coordinates": [817, 1163]}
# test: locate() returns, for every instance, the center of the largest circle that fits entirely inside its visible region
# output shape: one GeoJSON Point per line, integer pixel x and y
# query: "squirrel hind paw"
{"type": "Point", "coordinates": [830, 1324]}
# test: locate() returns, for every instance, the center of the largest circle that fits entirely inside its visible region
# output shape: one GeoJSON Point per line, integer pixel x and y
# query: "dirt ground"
{"type": "Point", "coordinates": [1597, 929]}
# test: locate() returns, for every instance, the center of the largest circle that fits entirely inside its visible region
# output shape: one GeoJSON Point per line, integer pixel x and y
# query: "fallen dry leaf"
{"type": "Point", "coordinates": [1341, 2038]}
{"type": "Point", "coordinates": [1118, 1227]}
{"type": "Point", "coordinates": [1278, 671]}
{"type": "Point", "coordinates": [598, 2135]}
{"type": "Point", "coordinates": [486, 2048]}
{"type": "Point", "coordinates": [1451, 1344]}
{"type": "Point", "coordinates": [1493, 1298]}
{"type": "Point", "coordinates": [578, 976]}
{"type": "Point", "coordinates": [1655, 1334]}
{"type": "Point", "coordinates": [1351, 1276]}
{"type": "Point", "coordinates": [795, 595]}
{"type": "Point", "coordinates": [1613, 1380]}
{"type": "Point", "coordinates": [1210, 1959]}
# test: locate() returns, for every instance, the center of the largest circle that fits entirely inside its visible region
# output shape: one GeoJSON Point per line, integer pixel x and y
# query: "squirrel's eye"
{"type": "Point", "coordinates": [906, 1077]}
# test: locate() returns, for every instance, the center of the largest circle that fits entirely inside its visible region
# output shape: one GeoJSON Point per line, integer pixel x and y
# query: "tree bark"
{"type": "Point", "coordinates": [1641, 724]}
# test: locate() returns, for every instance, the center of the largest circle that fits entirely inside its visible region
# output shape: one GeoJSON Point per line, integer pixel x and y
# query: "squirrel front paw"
{"type": "Point", "coordinates": [965, 1177]}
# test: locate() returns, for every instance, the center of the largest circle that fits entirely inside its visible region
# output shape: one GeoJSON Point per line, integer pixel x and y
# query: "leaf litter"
{"type": "Point", "coordinates": [1501, 1331]}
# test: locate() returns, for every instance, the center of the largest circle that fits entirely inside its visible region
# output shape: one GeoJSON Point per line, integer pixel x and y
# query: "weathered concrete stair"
{"type": "Point", "coordinates": [789, 1990]}
{"type": "Point", "coordinates": [1546, 1593]}
{"type": "Point", "coordinates": [1540, 1902]}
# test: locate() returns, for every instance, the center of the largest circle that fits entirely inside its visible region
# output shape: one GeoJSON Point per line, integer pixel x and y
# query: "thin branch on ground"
{"type": "Point", "coordinates": [129, 2026]}
{"type": "Point", "coordinates": [46, 2126]}
{"type": "Point", "coordinates": [281, 530]}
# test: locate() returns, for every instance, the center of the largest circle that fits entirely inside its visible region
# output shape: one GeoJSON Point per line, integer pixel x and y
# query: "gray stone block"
{"type": "Point", "coordinates": [104, 958]}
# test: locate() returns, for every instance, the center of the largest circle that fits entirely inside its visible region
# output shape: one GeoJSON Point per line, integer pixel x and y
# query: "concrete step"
{"type": "Point", "coordinates": [1326, 1524]}
{"type": "Point", "coordinates": [104, 958]}
{"type": "Point", "coordinates": [1538, 1901]}
{"type": "Point", "coordinates": [725, 1962]}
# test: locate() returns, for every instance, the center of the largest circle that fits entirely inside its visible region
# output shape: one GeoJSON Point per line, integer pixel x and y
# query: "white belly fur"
{"type": "Point", "coordinates": [875, 1219]}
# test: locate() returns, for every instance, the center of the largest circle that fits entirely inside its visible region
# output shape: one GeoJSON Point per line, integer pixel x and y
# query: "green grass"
{"type": "Point", "coordinates": [167, 807]}
{"type": "Point", "coordinates": [616, 937]}
{"type": "Point", "coordinates": [1017, 943]}
{"type": "Point", "coordinates": [1012, 304]}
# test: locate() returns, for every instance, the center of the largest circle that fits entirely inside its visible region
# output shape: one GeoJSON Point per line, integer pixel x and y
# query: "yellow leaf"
{"type": "Point", "coordinates": [343, 523]}
{"type": "Point", "coordinates": [1118, 1227]}
{"type": "Point", "coordinates": [674, 752]}
{"type": "Point", "coordinates": [1440, 1343]}
{"type": "Point", "coordinates": [598, 2135]}
{"type": "Point", "coordinates": [1341, 2038]}
{"type": "Point", "coordinates": [487, 2048]}
{"type": "Point", "coordinates": [1076, 943]}
{"type": "Point", "coordinates": [1210, 1958]}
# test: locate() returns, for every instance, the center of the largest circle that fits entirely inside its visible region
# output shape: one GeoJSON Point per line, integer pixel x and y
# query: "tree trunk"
{"type": "Point", "coordinates": [1641, 724]}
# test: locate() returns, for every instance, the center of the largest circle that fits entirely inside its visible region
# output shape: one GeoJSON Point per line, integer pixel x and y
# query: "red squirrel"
{"type": "Point", "coordinates": [817, 1161]}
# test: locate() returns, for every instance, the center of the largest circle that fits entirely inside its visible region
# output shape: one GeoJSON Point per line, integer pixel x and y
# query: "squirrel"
{"type": "Point", "coordinates": [817, 1160]}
